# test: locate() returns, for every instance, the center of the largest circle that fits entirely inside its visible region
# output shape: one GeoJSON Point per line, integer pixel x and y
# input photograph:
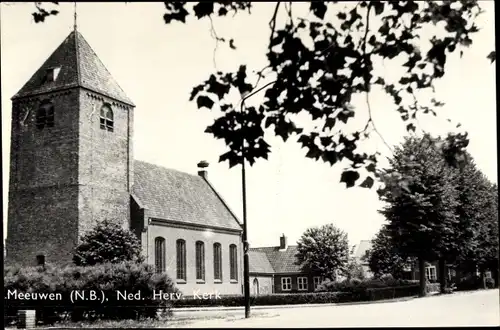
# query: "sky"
{"type": "Point", "coordinates": [157, 65]}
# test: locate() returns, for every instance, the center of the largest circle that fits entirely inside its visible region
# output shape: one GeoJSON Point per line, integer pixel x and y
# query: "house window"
{"type": "Point", "coordinates": [430, 273]}
{"type": "Point", "coordinates": [160, 254]}
{"type": "Point", "coordinates": [302, 283]}
{"type": "Point", "coordinates": [106, 118]}
{"type": "Point", "coordinates": [233, 262]}
{"type": "Point", "coordinates": [317, 282]}
{"type": "Point", "coordinates": [286, 284]}
{"type": "Point", "coordinates": [181, 259]}
{"type": "Point", "coordinates": [217, 262]}
{"type": "Point", "coordinates": [200, 261]}
{"type": "Point", "coordinates": [45, 115]}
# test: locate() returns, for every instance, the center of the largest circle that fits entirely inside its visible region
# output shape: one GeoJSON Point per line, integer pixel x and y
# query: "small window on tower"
{"type": "Point", "coordinates": [106, 118]}
{"type": "Point", "coordinates": [51, 74]}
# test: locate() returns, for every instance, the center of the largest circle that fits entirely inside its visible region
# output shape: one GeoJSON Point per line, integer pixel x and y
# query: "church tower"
{"type": "Point", "coordinates": [71, 155]}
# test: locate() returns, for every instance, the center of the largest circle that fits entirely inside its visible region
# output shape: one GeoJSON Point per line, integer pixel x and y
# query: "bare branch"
{"type": "Point", "coordinates": [367, 82]}
{"type": "Point", "coordinates": [216, 38]}
{"type": "Point", "coordinates": [272, 22]}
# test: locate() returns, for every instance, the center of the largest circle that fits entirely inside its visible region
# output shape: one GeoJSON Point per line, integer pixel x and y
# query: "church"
{"type": "Point", "coordinates": [72, 165]}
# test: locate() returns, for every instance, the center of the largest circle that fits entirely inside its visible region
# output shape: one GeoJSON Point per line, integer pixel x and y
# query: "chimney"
{"type": "Point", "coordinates": [201, 169]}
{"type": "Point", "coordinates": [283, 243]}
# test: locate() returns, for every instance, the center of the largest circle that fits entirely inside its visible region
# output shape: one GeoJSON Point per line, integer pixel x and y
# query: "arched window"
{"type": "Point", "coordinates": [217, 261]}
{"type": "Point", "coordinates": [233, 262]}
{"type": "Point", "coordinates": [160, 254]}
{"type": "Point", "coordinates": [181, 259]}
{"type": "Point", "coordinates": [106, 118]}
{"type": "Point", "coordinates": [200, 260]}
{"type": "Point", "coordinates": [45, 115]}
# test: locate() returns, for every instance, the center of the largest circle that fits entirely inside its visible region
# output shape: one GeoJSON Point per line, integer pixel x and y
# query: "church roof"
{"type": "Point", "coordinates": [361, 249]}
{"type": "Point", "coordinates": [79, 67]}
{"type": "Point", "coordinates": [282, 261]}
{"type": "Point", "coordinates": [177, 196]}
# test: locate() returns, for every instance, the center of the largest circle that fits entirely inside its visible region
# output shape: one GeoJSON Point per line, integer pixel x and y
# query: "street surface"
{"type": "Point", "coordinates": [479, 308]}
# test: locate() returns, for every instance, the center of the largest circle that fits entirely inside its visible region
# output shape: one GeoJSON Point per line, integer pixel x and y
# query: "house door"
{"type": "Point", "coordinates": [256, 287]}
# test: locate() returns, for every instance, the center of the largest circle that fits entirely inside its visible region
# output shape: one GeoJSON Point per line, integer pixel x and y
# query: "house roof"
{"type": "Point", "coordinates": [362, 248]}
{"type": "Point", "coordinates": [79, 67]}
{"type": "Point", "coordinates": [259, 263]}
{"type": "Point", "coordinates": [281, 261]}
{"type": "Point", "coordinates": [177, 196]}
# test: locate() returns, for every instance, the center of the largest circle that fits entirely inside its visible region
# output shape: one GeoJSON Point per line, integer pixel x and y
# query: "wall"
{"type": "Point", "coordinates": [265, 284]}
{"type": "Point", "coordinates": [277, 283]}
{"type": "Point", "coordinates": [43, 187]}
{"type": "Point", "coordinates": [105, 162]}
{"type": "Point", "coordinates": [191, 235]}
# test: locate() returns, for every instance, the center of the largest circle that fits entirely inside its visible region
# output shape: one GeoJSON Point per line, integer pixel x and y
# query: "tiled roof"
{"type": "Point", "coordinates": [281, 261]}
{"type": "Point", "coordinates": [177, 196]}
{"type": "Point", "coordinates": [259, 263]}
{"type": "Point", "coordinates": [361, 249]}
{"type": "Point", "coordinates": [80, 66]}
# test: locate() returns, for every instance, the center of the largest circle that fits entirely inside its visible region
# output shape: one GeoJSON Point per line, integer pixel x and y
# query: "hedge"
{"type": "Point", "coordinates": [104, 279]}
{"type": "Point", "coordinates": [359, 295]}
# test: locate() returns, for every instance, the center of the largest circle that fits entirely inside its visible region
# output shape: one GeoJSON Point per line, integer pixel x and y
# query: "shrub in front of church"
{"type": "Point", "coordinates": [107, 242]}
{"type": "Point", "coordinates": [266, 300]}
{"type": "Point", "coordinates": [105, 291]}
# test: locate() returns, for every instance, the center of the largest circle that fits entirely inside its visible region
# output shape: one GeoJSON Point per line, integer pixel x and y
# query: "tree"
{"type": "Point", "coordinates": [421, 211]}
{"type": "Point", "coordinates": [478, 215]}
{"type": "Point", "coordinates": [384, 258]}
{"type": "Point", "coordinates": [320, 55]}
{"type": "Point", "coordinates": [354, 270]}
{"type": "Point", "coordinates": [107, 242]}
{"type": "Point", "coordinates": [323, 250]}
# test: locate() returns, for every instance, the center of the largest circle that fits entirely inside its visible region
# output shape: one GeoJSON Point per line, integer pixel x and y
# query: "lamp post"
{"type": "Point", "coordinates": [246, 263]}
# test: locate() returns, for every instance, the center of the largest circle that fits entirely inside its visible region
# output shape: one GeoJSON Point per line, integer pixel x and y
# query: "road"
{"type": "Point", "coordinates": [479, 308]}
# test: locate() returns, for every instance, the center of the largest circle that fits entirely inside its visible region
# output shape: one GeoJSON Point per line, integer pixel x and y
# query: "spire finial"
{"type": "Point", "coordinates": [75, 18]}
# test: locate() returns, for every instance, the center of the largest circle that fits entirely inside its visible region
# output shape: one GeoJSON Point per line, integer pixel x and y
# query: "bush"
{"type": "Point", "coordinates": [265, 300]}
{"type": "Point", "coordinates": [104, 280]}
{"type": "Point", "coordinates": [470, 282]}
{"type": "Point", "coordinates": [108, 242]}
{"type": "Point", "coordinates": [356, 285]}
{"type": "Point", "coordinates": [490, 283]}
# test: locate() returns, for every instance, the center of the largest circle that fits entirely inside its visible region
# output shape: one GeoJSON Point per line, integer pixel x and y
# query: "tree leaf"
{"type": "Point", "coordinates": [204, 101]}
{"type": "Point", "coordinates": [492, 56]}
{"type": "Point", "coordinates": [367, 183]}
{"type": "Point", "coordinates": [349, 177]}
{"type": "Point", "coordinates": [203, 8]}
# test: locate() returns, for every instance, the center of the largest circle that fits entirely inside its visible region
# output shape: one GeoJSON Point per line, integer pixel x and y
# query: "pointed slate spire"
{"type": "Point", "coordinates": [76, 65]}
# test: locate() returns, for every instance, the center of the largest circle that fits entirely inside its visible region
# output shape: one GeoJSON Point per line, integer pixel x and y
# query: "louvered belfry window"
{"type": "Point", "coordinates": [106, 118]}
{"type": "Point", "coordinates": [45, 115]}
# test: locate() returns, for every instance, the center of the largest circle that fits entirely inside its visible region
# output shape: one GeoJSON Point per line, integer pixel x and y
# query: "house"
{"type": "Point", "coordinates": [274, 270]}
{"type": "Point", "coordinates": [72, 165]}
{"type": "Point", "coordinates": [360, 252]}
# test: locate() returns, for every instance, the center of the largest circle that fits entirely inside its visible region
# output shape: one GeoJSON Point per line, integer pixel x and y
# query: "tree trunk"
{"type": "Point", "coordinates": [494, 274]}
{"type": "Point", "coordinates": [482, 275]}
{"type": "Point", "coordinates": [422, 278]}
{"type": "Point", "coordinates": [442, 275]}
